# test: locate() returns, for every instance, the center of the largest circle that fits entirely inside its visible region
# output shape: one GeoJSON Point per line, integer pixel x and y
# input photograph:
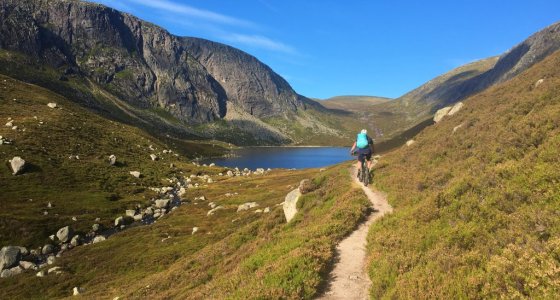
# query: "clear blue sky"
{"type": "Point", "coordinates": [326, 48]}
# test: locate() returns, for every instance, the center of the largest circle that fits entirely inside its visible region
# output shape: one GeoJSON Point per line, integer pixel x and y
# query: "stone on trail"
{"type": "Point", "coordinates": [17, 164]}
{"type": "Point", "coordinates": [64, 234]}
{"type": "Point", "coordinates": [51, 105]}
{"type": "Point", "coordinates": [135, 174]}
{"type": "Point", "coordinates": [9, 257]}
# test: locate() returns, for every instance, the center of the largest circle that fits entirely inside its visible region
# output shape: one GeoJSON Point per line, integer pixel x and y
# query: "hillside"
{"type": "Point", "coordinates": [353, 103]}
{"type": "Point", "coordinates": [476, 199]}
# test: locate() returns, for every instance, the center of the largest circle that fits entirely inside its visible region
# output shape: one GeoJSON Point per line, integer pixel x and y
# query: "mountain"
{"type": "Point", "coordinates": [353, 103]}
{"type": "Point", "coordinates": [476, 198]}
{"type": "Point", "coordinates": [136, 72]}
{"type": "Point", "coordinates": [465, 81]}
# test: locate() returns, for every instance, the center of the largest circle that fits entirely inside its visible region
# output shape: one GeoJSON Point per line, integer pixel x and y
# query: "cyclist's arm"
{"type": "Point", "coordinates": [353, 147]}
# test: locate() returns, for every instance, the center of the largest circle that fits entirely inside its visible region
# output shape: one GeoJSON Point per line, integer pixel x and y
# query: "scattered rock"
{"type": "Point", "coordinates": [130, 212]}
{"type": "Point", "coordinates": [11, 272]}
{"type": "Point", "coordinates": [441, 113]}
{"type": "Point", "coordinates": [322, 170]}
{"type": "Point", "coordinates": [539, 82]}
{"type": "Point", "coordinates": [457, 127]}
{"type": "Point", "coordinates": [99, 239]}
{"type": "Point", "coordinates": [76, 240]}
{"type": "Point", "coordinates": [247, 206]}
{"type": "Point", "coordinates": [9, 257]}
{"type": "Point", "coordinates": [213, 210]}
{"type": "Point", "coordinates": [112, 159]}
{"type": "Point", "coordinates": [64, 234]}
{"type": "Point", "coordinates": [456, 108]}
{"type": "Point", "coordinates": [10, 124]}
{"type": "Point", "coordinates": [47, 249]}
{"type": "Point", "coordinates": [55, 270]}
{"type": "Point", "coordinates": [119, 221]}
{"type": "Point", "coordinates": [17, 164]}
{"type": "Point", "coordinates": [51, 259]}
{"type": "Point", "coordinates": [194, 230]}
{"type": "Point", "coordinates": [410, 142]}
{"type": "Point", "coordinates": [266, 210]}
{"type": "Point", "coordinates": [210, 180]}
{"type": "Point", "coordinates": [135, 174]}
{"type": "Point", "coordinates": [27, 265]}
{"type": "Point", "coordinates": [41, 274]}
{"type": "Point", "coordinates": [95, 227]}
{"type": "Point", "coordinates": [212, 165]}
{"type": "Point", "coordinates": [153, 157]}
{"type": "Point", "coordinates": [212, 205]}
{"type": "Point", "coordinates": [229, 173]}
{"type": "Point", "coordinates": [77, 291]}
{"type": "Point", "coordinates": [51, 105]}
{"type": "Point", "coordinates": [162, 203]}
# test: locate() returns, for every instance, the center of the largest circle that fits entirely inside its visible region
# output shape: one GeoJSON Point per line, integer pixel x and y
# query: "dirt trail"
{"type": "Point", "coordinates": [349, 279]}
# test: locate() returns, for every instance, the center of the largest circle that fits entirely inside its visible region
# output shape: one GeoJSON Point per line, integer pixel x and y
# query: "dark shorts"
{"type": "Point", "coordinates": [364, 154]}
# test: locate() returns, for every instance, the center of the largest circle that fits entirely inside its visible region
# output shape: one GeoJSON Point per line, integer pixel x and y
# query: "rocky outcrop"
{"type": "Point", "coordinates": [248, 83]}
{"type": "Point", "coordinates": [447, 111]}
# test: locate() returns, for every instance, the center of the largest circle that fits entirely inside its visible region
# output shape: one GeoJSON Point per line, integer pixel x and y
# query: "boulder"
{"type": "Point", "coordinates": [51, 259]}
{"type": "Point", "coordinates": [153, 157]}
{"type": "Point", "coordinates": [47, 249]}
{"type": "Point", "coordinates": [290, 204]}
{"type": "Point", "coordinates": [64, 234]}
{"type": "Point", "coordinates": [135, 174]}
{"type": "Point", "coordinates": [456, 108]}
{"type": "Point", "coordinates": [119, 221]}
{"type": "Point", "coordinates": [539, 82]}
{"type": "Point", "coordinates": [11, 272]}
{"type": "Point", "coordinates": [95, 227]}
{"type": "Point", "coordinates": [77, 291]}
{"type": "Point", "coordinates": [441, 113]}
{"type": "Point", "coordinates": [112, 159]}
{"type": "Point", "coordinates": [247, 206]}
{"type": "Point", "coordinates": [138, 217]}
{"type": "Point", "coordinates": [24, 251]}
{"type": "Point", "coordinates": [27, 265]}
{"type": "Point", "coordinates": [162, 203]}
{"type": "Point", "coordinates": [41, 274]}
{"type": "Point", "coordinates": [229, 173]}
{"type": "Point", "coordinates": [9, 257]}
{"type": "Point", "coordinates": [213, 210]}
{"type": "Point", "coordinates": [76, 240]}
{"type": "Point", "coordinates": [130, 212]}
{"type": "Point", "coordinates": [17, 164]}
{"type": "Point", "coordinates": [410, 143]}
{"type": "Point", "coordinates": [10, 124]}
{"type": "Point", "coordinates": [99, 239]}
{"type": "Point", "coordinates": [212, 165]}
{"type": "Point", "coordinates": [194, 230]}
{"type": "Point", "coordinates": [266, 210]}
{"type": "Point", "coordinates": [51, 105]}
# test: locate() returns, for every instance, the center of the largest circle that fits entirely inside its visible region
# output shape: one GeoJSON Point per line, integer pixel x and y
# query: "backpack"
{"type": "Point", "coordinates": [362, 141]}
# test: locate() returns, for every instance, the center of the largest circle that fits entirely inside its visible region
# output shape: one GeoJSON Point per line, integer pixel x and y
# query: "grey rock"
{"type": "Point", "coordinates": [213, 210]}
{"type": "Point", "coordinates": [77, 291]}
{"type": "Point", "coordinates": [95, 227]}
{"type": "Point", "coordinates": [130, 212]}
{"type": "Point", "coordinates": [41, 274]}
{"type": "Point", "coordinates": [438, 116]}
{"type": "Point", "coordinates": [162, 203]}
{"type": "Point", "coordinates": [47, 249]}
{"type": "Point", "coordinates": [138, 217]}
{"type": "Point", "coordinates": [119, 221]}
{"type": "Point", "coordinates": [11, 272]}
{"type": "Point", "coordinates": [27, 265]}
{"type": "Point", "coordinates": [99, 239]}
{"type": "Point", "coordinates": [194, 230]}
{"type": "Point", "coordinates": [153, 157]}
{"type": "Point", "coordinates": [51, 105]}
{"type": "Point", "coordinates": [55, 270]}
{"type": "Point", "coordinates": [18, 165]}
{"type": "Point", "coordinates": [410, 143]}
{"type": "Point", "coordinates": [247, 206]}
{"type": "Point", "coordinates": [456, 108]}
{"type": "Point", "coordinates": [135, 174]}
{"type": "Point", "coordinates": [290, 204]}
{"type": "Point", "coordinates": [112, 159]}
{"type": "Point", "coordinates": [229, 173]}
{"type": "Point", "coordinates": [64, 234]}
{"type": "Point", "coordinates": [9, 257]}
{"type": "Point", "coordinates": [51, 259]}
{"type": "Point", "coordinates": [76, 240]}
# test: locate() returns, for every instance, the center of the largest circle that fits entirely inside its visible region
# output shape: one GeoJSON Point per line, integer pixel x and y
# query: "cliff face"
{"type": "Point", "coordinates": [141, 63]}
{"type": "Point", "coordinates": [248, 83]}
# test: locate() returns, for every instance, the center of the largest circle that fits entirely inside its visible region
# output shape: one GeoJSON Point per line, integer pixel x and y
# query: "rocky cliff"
{"type": "Point", "coordinates": [142, 64]}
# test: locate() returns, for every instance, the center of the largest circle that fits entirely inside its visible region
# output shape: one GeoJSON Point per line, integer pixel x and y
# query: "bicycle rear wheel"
{"type": "Point", "coordinates": [365, 173]}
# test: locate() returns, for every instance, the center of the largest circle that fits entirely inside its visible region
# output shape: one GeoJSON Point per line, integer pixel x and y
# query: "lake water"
{"type": "Point", "coordinates": [284, 157]}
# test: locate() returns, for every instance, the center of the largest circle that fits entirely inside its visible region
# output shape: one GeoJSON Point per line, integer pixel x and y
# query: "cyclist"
{"type": "Point", "coordinates": [364, 148]}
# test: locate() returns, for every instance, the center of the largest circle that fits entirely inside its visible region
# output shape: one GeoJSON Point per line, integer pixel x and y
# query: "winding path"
{"type": "Point", "coordinates": [349, 279]}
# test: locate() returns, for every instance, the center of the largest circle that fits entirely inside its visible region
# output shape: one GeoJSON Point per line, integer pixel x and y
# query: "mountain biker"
{"type": "Point", "coordinates": [364, 148]}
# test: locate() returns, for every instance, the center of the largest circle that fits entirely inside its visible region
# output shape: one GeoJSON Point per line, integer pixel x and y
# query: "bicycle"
{"type": "Point", "coordinates": [363, 176]}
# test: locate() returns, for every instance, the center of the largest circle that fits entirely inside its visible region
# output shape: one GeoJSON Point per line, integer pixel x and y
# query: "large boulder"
{"type": "Point", "coordinates": [290, 204]}
{"type": "Point", "coordinates": [441, 113]}
{"type": "Point", "coordinates": [9, 257]}
{"type": "Point", "coordinates": [456, 108]}
{"type": "Point", "coordinates": [11, 272]}
{"type": "Point", "coordinates": [18, 165]}
{"type": "Point", "coordinates": [64, 234]}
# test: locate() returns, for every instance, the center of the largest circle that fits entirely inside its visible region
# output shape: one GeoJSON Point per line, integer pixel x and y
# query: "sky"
{"type": "Point", "coordinates": [327, 48]}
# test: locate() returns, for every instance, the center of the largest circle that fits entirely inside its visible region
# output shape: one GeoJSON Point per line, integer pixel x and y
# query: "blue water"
{"type": "Point", "coordinates": [284, 157]}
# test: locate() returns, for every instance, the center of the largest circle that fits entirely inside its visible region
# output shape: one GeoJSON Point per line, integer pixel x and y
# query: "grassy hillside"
{"type": "Point", "coordinates": [476, 199]}
{"type": "Point", "coordinates": [234, 254]}
{"type": "Point", "coordinates": [353, 103]}
{"type": "Point", "coordinates": [85, 188]}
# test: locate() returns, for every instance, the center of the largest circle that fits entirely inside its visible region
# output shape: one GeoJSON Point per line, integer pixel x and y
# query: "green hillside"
{"type": "Point", "coordinates": [476, 199]}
